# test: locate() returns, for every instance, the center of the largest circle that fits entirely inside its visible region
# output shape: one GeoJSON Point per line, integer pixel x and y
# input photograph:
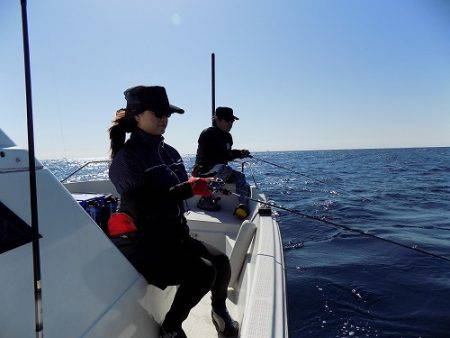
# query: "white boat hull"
{"type": "Point", "coordinates": [91, 290]}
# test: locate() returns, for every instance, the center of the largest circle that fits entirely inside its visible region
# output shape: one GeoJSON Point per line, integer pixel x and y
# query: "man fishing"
{"type": "Point", "coordinates": [213, 154]}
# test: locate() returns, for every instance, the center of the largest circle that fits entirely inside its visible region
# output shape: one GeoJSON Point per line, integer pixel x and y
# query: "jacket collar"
{"type": "Point", "coordinates": [141, 136]}
{"type": "Point", "coordinates": [218, 130]}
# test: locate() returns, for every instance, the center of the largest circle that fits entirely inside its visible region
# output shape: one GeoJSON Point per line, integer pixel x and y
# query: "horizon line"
{"type": "Point", "coordinates": [263, 151]}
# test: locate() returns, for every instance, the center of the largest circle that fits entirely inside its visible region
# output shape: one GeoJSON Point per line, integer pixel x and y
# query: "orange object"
{"type": "Point", "coordinates": [120, 223]}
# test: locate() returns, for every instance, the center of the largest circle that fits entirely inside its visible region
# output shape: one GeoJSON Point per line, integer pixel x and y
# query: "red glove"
{"type": "Point", "coordinates": [120, 224]}
{"type": "Point", "coordinates": [200, 186]}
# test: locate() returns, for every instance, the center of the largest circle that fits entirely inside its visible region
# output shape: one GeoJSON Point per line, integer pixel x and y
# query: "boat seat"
{"type": "Point", "coordinates": [240, 248]}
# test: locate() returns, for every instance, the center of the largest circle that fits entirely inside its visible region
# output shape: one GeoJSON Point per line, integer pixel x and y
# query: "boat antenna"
{"type": "Point", "coordinates": [32, 175]}
{"type": "Point", "coordinates": [213, 86]}
{"type": "Point", "coordinates": [336, 225]}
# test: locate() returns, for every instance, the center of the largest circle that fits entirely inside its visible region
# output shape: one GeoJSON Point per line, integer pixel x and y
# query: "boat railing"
{"type": "Point", "coordinates": [250, 166]}
{"type": "Point", "coordinates": [243, 165]}
{"type": "Point", "coordinates": [82, 167]}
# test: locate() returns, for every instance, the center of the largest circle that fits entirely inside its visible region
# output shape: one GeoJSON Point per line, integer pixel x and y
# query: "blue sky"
{"type": "Point", "coordinates": [299, 74]}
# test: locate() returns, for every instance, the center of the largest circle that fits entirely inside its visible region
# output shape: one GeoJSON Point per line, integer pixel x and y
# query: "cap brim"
{"type": "Point", "coordinates": [175, 109]}
{"type": "Point", "coordinates": [232, 118]}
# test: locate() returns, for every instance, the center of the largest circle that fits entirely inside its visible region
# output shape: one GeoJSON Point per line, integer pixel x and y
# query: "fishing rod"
{"type": "Point", "coordinates": [304, 175]}
{"type": "Point", "coordinates": [336, 225]}
{"type": "Point", "coordinates": [32, 170]}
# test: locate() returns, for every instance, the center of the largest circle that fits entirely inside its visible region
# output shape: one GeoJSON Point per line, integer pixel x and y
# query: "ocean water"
{"type": "Point", "coordinates": [343, 284]}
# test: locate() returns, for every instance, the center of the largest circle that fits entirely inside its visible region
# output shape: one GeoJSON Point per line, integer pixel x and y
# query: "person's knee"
{"type": "Point", "coordinates": [205, 274]}
{"type": "Point", "coordinates": [240, 180]}
{"type": "Point", "coordinates": [239, 175]}
{"type": "Point", "coordinates": [222, 263]}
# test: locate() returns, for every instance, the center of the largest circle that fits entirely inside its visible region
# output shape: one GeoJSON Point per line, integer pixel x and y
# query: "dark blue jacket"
{"type": "Point", "coordinates": [214, 147]}
{"type": "Point", "coordinates": [149, 176]}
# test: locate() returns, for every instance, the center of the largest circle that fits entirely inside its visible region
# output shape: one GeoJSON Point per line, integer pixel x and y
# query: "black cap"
{"type": "Point", "coordinates": [225, 113]}
{"type": "Point", "coordinates": [153, 98]}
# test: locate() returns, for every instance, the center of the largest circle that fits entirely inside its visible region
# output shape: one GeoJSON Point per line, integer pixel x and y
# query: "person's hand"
{"type": "Point", "coordinates": [200, 186]}
{"type": "Point", "coordinates": [245, 153]}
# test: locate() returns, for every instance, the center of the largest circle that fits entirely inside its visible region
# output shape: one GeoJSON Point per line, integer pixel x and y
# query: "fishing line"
{"type": "Point", "coordinates": [336, 225]}
{"type": "Point", "coordinates": [58, 109]}
{"type": "Point", "coordinates": [304, 175]}
{"type": "Point", "coordinates": [364, 198]}
{"type": "Point", "coordinates": [250, 165]}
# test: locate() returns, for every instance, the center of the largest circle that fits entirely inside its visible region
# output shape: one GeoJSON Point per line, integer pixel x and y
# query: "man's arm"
{"type": "Point", "coordinates": [239, 153]}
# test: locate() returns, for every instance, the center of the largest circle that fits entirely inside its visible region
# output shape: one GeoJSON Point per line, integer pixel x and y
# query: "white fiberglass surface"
{"type": "Point", "coordinates": [83, 274]}
{"type": "Point", "coordinates": [258, 301]}
{"type": "Point", "coordinates": [5, 141]}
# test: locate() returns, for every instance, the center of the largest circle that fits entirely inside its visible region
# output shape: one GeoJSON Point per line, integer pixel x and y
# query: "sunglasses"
{"type": "Point", "coordinates": [161, 115]}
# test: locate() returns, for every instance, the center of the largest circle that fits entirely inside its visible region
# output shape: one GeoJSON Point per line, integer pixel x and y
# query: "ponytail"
{"type": "Point", "coordinates": [123, 123]}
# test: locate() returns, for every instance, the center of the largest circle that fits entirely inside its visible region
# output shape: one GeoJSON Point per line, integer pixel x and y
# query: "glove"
{"type": "Point", "coordinates": [199, 186]}
{"type": "Point", "coordinates": [245, 153]}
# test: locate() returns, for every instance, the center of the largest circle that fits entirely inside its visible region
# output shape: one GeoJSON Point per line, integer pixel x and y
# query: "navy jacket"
{"type": "Point", "coordinates": [214, 147]}
{"type": "Point", "coordinates": [149, 176]}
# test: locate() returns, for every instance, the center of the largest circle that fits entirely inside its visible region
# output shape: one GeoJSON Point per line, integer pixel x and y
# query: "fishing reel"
{"type": "Point", "coordinates": [218, 181]}
{"type": "Point", "coordinates": [217, 185]}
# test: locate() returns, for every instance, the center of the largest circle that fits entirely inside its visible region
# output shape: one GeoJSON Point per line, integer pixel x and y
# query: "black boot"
{"type": "Point", "coordinates": [171, 332]}
{"type": "Point", "coordinates": [225, 325]}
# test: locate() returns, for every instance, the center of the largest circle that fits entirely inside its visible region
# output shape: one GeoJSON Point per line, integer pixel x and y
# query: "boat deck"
{"type": "Point", "coordinates": [204, 226]}
{"type": "Point", "coordinates": [199, 323]}
{"type": "Point", "coordinates": [258, 307]}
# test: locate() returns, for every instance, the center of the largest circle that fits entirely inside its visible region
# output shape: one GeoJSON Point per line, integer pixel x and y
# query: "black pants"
{"type": "Point", "coordinates": [201, 268]}
{"type": "Point", "coordinates": [195, 266]}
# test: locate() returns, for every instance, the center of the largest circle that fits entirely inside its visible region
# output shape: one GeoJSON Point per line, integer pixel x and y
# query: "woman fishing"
{"type": "Point", "coordinates": [152, 182]}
